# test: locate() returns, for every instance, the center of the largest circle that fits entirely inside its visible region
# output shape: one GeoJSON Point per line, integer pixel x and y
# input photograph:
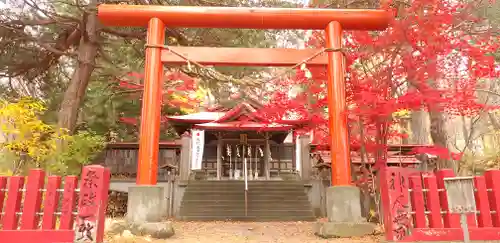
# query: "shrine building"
{"type": "Point", "coordinates": [223, 139]}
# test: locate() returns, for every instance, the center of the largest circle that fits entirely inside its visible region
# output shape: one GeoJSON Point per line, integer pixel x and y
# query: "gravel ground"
{"type": "Point", "coordinates": [251, 232]}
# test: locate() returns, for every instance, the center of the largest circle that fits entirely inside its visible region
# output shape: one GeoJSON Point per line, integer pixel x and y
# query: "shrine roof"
{"type": "Point", "coordinates": [239, 110]}
{"type": "Point", "coordinates": [244, 126]}
{"type": "Point", "coordinates": [239, 114]}
{"type": "Point", "coordinates": [200, 117]}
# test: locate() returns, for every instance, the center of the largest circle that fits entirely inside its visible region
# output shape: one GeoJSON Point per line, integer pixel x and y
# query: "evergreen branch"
{"type": "Point", "coordinates": [50, 14]}
{"type": "Point", "coordinates": [32, 22]}
{"type": "Point", "coordinates": [123, 34]}
{"type": "Point", "coordinates": [38, 42]}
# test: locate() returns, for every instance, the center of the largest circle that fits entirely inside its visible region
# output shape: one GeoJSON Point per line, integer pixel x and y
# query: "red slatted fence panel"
{"type": "Point", "coordinates": [25, 226]}
{"type": "Point", "coordinates": [431, 196]}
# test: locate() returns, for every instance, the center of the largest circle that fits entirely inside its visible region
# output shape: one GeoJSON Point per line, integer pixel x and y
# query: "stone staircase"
{"type": "Point", "coordinates": [225, 200]}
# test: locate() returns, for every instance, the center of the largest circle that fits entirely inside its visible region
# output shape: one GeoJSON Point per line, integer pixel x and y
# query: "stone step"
{"type": "Point", "coordinates": [242, 184]}
{"type": "Point", "coordinates": [250, 206]}
{"type": "Point", "coordinates": [247, 218]}
{"type": "Point", "coordinates": [225, 200]}
{"type": "Point", "coordinates": [255, 200]}
{"type": "Point", "coordinates": [250, 209]}
{"type": "Point", "coordinates": [250, 182]}
{"type": "Point", "coordinates": [232, 203]}
{"type": "Point", "coordinates": [242, 181]}
{"type": "Point", "coordinates": [250, 188]}
{"type": "Point", "coordinates": [257, 187]}
{"type": "Point", "coordinates": [241, 210]}
{"type": "Point", "coordinates": [242, 192]}
{"type": "Point", "coordinates": [242, 188]}
{"type": "Point", "coordinates": [228, 192]}
{"type": "Point", "coordinates": [232, 215]}
{"type": "Point", "coordinates": [262, 203]}
{"type": "Point", "coordinates": [242, 197]}
{"type": "Point", "coordinates": [242, 206]}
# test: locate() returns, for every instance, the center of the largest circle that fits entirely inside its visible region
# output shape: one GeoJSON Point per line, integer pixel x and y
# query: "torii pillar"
{"type": "Point", "coordinates": [343, 199]}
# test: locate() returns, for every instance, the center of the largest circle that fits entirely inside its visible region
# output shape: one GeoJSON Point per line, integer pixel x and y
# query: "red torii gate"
{"type": "Point", "coordinates": [155, 17]}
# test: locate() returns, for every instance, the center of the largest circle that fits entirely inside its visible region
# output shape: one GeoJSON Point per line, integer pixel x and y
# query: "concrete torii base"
{"type": "Point", "coordinates": [146, 204]}
{"type": "Point", "coordinates": [344, 214]}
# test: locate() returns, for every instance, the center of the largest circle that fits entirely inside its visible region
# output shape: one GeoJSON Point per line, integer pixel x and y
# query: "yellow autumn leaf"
{"type": "Point", "coordinates": [179, 98]}
{"type": "Point", "coordinates": [26, 134]}
{"type": "Point", "coordinates": [402, 113]}
{"type": "Point", "coordinates": [6, 173]}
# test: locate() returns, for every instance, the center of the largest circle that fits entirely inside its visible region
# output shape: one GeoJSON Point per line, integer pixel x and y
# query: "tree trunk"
{"type": "Point", "coordinates": [439, 136]}
{"type": "Point", "coordinates": [420, 127]}
{"type": "Point", "coordinates": [87, 53]}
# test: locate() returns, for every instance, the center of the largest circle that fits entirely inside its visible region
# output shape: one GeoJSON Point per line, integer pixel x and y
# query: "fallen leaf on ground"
{"type": "Point", "coordinates": [247, 232]}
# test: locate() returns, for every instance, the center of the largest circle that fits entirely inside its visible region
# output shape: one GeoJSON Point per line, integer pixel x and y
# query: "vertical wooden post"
{"type": "Point", "coordinates": [50, 203]}
{"type": "Point", "coordinates": [267, 157]}
{"type": "Point", "coordinates": [432, 201]}
{"type": "Point", "coordinates": [151, 105]}
{"type": "Point", "coordinates": [68, 202]}
{"type": "Point", "coordinates": [417, 201]}
{"type": "Point", "coordinates": [219, 156]}
{"type": "Point", "coordinates": [306, 166]}
{"type": "Point", "coordinates": [493, 183]}
{"type": "Point", "coordinates": [294, 151]}
{"type": "Point", "coordinates": [3, 186]}
{"type": "Point", "coordinates": [482, 202]}
{"type": "Point", "coordinates": [184, 160]}
{"type": "Point", "coordinates": [32, 200]}
{"type": "Point", "coordinates": [337, 109]}
{"type": "Point", "coordinates": [279, 156]}
{"type": "Point", "coordinates": [13, 204]}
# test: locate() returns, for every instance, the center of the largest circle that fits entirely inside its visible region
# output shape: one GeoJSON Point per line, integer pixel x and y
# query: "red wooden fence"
{"type": "Point", "coordinates": [25, 219]}
{"type": "Point", "coordinates": [415, 206]}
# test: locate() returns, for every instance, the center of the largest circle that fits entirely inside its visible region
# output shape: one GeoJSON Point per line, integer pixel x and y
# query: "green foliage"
{"type": "Point", "coordinates": [7, 163]}
{"type": "Point", "coordinates": [79, 149]}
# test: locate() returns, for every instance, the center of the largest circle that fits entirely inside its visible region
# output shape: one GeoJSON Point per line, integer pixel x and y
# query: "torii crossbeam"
{"type": "Point", "coordinates": [155, 18]}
